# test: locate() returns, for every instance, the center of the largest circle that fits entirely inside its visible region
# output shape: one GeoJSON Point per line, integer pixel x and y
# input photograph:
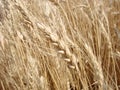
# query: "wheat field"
{"type": "Point", "coordinates": [59, 44]}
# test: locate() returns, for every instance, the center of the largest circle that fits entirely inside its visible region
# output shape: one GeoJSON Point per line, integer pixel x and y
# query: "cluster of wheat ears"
{"type": "Point", "coordinates": [59, 44]}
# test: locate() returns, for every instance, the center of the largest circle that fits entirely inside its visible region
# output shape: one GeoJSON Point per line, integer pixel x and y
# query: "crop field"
{"type": "Point", "coordinates": [59, 44]}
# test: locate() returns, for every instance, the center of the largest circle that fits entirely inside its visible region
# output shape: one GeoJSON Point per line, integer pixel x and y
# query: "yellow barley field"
{"type": "Point", "coordinates": [59, 44]}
